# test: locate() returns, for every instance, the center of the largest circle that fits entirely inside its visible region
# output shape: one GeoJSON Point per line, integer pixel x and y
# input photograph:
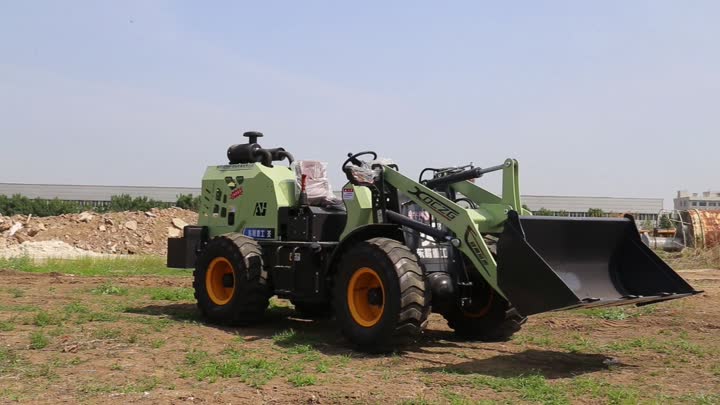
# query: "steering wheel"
{"type": "Point", "coordinates": [354, 158]}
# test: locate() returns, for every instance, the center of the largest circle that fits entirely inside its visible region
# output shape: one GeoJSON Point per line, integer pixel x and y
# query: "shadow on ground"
{"type": "Point", "coordinates": [323, 335]}
{"type": "Point", "coordinates": [548, 363]}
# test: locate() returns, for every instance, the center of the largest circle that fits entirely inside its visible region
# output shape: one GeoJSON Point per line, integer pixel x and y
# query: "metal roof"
{"type": "Point", "coordinates": [583, 204]}
{"type": "Point", "coordinates": [74, 192]}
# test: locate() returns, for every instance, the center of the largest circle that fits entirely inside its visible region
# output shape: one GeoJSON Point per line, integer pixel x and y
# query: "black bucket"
{"type": "Point", "coordinates": [555, 263]}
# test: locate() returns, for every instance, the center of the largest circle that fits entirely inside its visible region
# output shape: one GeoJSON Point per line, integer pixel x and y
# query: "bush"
{"type": "Point", "coordinates": [21, 205]}
{"type": "Point", "coordinates": [125, 202]}
{"type": "Point", "coordinates": [188, 202]}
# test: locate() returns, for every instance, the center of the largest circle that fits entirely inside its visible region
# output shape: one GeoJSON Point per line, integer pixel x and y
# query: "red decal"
{"type": "Point", "coordinates": [236, 193]}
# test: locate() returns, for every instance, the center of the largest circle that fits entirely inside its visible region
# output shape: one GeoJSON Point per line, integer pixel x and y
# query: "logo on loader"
{"type": "Point", "coordinates": [474, 244]}
{"type": "Point", "coordinates": [260, 209]}
{"type": "Point", "coordinates": [436, 205]}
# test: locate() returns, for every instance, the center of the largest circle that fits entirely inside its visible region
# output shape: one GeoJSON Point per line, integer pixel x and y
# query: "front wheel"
{"type": "Point", "coordinates": [380, 294]}
{"type": "Point", "coordinates": [489, 317]}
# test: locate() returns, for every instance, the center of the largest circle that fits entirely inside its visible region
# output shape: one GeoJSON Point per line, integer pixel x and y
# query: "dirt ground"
{"type": "Point", "coordinates": [139, 339]}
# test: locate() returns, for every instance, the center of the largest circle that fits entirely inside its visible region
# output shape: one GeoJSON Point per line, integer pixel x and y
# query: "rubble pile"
{"type": "Point", "coordinates": [110, 233]}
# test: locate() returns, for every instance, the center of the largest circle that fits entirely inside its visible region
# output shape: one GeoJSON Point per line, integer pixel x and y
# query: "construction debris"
{"type": "Point", "coordinates": [111, 233]}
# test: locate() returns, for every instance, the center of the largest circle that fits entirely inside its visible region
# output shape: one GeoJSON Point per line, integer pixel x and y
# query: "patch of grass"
{"type": "Point", "coordinates": [18, 308]}
{"type": "Point", "coordinates": [16, 292]}
{"type": "Point", "coordinates": [6, 326]}
{"type": "Point", "coordinates": [610, 314]}
{"type": "Point", "coordinates": [141, 385]}
{"type": "Point", "coordinates": [96, 317]}
{"type": "Point", "coordinates": [106, 333]}
{"type": "Point", "coordinates": [76, 308]}
{"type": "Point", "coordinates": [38, 340]}
{"type": "Point", "coordinates": [612, 394]}
{"type": "Point", "coordinates": [44, 318]}
{"type": "Point", "coordinates": [253, 371]}
{"type": "Point", "coordinates": [108, 288]}
{"type": "Point", "coordinates": [715, 369]}
{"type": "Point", "coordinates": [158, 343]}
{"type": "Point", "coordinates": [8, 360]}
{"type": "Point", "coordinates": [92, 266]}
{"type": "Point", "coordinates": [669, 346]}
{"type": "Point", "coordinates": [579, 344]}
{"type": "Point", "coordinates": [302, 380]}
{"type": "Point", "coordinates": [529, 339]}
{"type": "Point", "coordinates": [618, 313]}
{"type": "Point", "coordinates": [157, 324]}
{"type": "Point", "coordinates": [170, 294]}
{"type": "Point", "coordinates": [530, 388]}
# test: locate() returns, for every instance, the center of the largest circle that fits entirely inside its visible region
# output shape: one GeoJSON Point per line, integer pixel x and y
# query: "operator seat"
{"type": "Point", "coordinates": [317, 185]}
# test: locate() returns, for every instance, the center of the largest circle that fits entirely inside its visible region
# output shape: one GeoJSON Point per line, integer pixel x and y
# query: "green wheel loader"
{"type": "Point", "coordinates": [394, 249]}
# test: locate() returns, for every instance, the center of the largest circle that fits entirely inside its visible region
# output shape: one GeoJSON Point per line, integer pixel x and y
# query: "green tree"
{"type": "Point", "coordinates": [188, 202]}
{"type": "Point", "coordinates": [665, 222]}
{"type": "Point", "coordinates": [595, 212]}
{"type": "Point", "coordinates": [544, 212]}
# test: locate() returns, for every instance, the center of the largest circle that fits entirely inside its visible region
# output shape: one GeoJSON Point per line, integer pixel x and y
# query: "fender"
{"type": "Point", "coordinates": [391, 231]}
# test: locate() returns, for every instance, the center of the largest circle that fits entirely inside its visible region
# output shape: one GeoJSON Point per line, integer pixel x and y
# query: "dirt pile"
{"type": "Point", "coordinates": [112, 233]}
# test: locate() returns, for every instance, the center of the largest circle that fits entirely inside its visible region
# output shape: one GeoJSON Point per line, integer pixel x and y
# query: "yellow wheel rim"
{"type": "Point", "coordinates": [217, 270]}
{"type": "Point", "coordinates": [366, 297]}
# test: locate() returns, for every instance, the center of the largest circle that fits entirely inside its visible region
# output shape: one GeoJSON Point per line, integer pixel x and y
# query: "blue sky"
{"type": "Point", "coordinates": [612, 98]}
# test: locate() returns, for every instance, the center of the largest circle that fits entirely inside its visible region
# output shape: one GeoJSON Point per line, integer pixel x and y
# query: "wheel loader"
{"type": "Point", "coordinates": [394, 249]}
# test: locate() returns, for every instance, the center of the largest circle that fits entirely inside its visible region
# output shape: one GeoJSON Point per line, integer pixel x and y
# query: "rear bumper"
{"type": "Point", "coordinates": [182, 252]}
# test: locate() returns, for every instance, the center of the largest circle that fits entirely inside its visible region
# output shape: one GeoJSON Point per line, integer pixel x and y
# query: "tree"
{"type": "Point", "coordinates": [595, 212]}
{"type": "Point", "coordinates": [544, 212]}
{"type": "Point", "coordinates": [188, 202]}
{"type": "Point", "coordinates": [665, 222]}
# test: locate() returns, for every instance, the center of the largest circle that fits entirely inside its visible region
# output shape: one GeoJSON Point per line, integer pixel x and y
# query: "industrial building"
{"type": "Point", "coordinates": [641, 208]}
{"type": "Point", "coordinates": [707, 200]}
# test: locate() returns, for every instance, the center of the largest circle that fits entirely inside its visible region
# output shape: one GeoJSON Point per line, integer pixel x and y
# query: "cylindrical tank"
{"type": "Point", "coordinates": [705, 228]}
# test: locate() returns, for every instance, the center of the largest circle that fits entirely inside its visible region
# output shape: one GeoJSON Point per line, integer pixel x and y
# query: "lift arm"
{"type": "Point", "coordinates": [466, 225]}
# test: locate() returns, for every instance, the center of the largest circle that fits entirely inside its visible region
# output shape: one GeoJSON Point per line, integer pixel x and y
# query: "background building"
{"type": "Point", "coordinates": [641, 208]}
{"type": "Point", "coordinates": [707, 200]}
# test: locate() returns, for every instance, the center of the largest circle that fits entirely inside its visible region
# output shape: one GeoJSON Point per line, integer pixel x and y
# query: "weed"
{"type": "Point", "coordinates": [156, 344]}
{"type": "Point", "coordinates": [44, 318]}
{"type": "Point", "coordinates": [109, 288]}
{"type": "Point", "coordinates": [106, 333]}
{"type": "Point", "coordinates": [116, 367]}
{"type": "Point", "coordinates": [322, 367]}
{"type": "Point", "coordinates": [6, 326]}
{"type": "Point", "coordinates": [171, 294]}
{"type": "Point", "coordinates": [16, 292]}
{"type": "Point", "coordinates": [76, 308]}
{"type": "Point", "coordinates": [38, 340]}
{"type": "Point", "coordinates": [531, 387]}
{"type": "Point", "coordinates": [91, 266]}
{"type": "Point", "coordinates": [302, 380]}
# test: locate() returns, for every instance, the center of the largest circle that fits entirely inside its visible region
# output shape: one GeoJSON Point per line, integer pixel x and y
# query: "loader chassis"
{"type": "Point", "coordinates": [400, 248]}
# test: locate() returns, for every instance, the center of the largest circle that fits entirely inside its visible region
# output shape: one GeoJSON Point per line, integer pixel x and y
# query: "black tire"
{"type": "Point", "coordinates": [403, 292]}
{"type": "Point", "coordinates": [312, 310]}
{"type": "Point", "coordinates": [489, 318]}
{"type": "Point", "coordinates": [247, 300]}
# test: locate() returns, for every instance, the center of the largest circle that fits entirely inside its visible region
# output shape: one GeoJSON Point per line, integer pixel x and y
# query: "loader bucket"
{"type": "Point", "coordinates": [556, 263]}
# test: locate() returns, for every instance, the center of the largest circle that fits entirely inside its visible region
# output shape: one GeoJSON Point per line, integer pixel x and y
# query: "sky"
{"type": "Point", "coordinates": [610, 98]}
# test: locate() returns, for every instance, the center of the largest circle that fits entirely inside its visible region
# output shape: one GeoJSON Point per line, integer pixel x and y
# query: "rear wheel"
{"type": "Point", "coordinates": [229, 281]}
{"type": "Point", "coordinates": [489, 317]}
{"type": "Point", "coordinates": [380, 294]}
